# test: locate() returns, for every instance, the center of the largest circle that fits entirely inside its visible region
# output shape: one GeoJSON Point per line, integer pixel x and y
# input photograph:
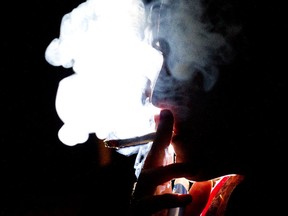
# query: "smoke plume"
{"type": "Point", "coordinates": [114, 71]}
{"type": "Point", "coordinates": [117, 49]}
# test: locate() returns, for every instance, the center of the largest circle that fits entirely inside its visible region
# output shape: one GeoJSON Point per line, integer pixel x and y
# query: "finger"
{"type": "Point", "coordinates": [149, 179]}
{"type": "Point", "coordinates": [153, 204]}
{"type": "Point", "coordinates": [200, 191]}
{"type": "Point", "coordinates": [162, 140]}
{"type": "Point", "coordinates": [162, 174]}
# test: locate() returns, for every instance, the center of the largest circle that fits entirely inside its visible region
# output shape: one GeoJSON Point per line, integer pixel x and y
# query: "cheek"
{"type": "Point", "coordinates": [184, 151]}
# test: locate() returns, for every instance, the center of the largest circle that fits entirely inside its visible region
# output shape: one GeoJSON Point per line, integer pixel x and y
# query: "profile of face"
{"type": "Point", "coordinates": [201, 82]}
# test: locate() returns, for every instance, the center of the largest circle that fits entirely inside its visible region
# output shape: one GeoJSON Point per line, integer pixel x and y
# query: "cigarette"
{"type": "Point", "coordinates": [134, 141]}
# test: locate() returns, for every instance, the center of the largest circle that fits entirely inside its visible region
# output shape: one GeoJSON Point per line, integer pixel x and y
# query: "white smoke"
{"type": "Point", "coordinates": [194, 44]}
{"type": "Point", "coordinates": [114, 68]}
{"type": "Point", "coordinates": [108, 45]}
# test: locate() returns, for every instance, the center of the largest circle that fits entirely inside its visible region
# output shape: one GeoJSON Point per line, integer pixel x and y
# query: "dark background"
{"type": "Point", "coordinates": [39, 174]}
{"type": "Point", "coordinates": [42, 176]}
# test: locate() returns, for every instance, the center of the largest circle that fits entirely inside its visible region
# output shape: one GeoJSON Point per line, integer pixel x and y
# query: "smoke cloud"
{"type": "Point", "coordinates": [115, 50]}
{"type": "Point", "coordinates": [193, 42]}
{"type": "Point", "coordinates": [114, 71]}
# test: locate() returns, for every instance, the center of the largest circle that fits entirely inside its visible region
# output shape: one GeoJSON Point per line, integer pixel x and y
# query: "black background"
{"type": "Point", "coordinates": [39, 174]}
{"type": "Point", "coordinates": [42, 176]}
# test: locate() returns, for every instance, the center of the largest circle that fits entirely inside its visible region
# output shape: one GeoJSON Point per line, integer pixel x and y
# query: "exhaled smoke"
{"type": "Point", "coordinates": [109, 46]}
{"type": "Point", "coordinates": [194, 41]}
{"type": "Point", "coordinates": [114, 71]}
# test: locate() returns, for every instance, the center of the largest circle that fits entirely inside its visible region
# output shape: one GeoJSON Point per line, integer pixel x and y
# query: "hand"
{"type": "Point", "coordinates": [153, 193]}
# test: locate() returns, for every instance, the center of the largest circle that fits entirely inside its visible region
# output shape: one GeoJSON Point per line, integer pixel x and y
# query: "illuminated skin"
{"type": "Point", "coordinates": [155, 173]}
{"type": "Point", "coordinates": [221, 126]}
{"type": "Point", "coordinates": [205, 135]}
{"type": "Point", "coordinates": [150, 200]}
{"type": "Point", "coordinates": [198, 158]}
{"type": "Point", "coordinates": [218, 126]}
{"type": "Point", "coordinates": [211, 132]}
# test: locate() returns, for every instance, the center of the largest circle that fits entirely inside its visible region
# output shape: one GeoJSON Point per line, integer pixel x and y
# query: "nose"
{"type": "Point", "coordinates": [162, 45]}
